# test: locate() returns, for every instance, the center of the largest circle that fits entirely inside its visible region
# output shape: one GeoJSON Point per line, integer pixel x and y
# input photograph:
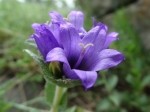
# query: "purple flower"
{"type": "Point", "coordinates": [82, 53]}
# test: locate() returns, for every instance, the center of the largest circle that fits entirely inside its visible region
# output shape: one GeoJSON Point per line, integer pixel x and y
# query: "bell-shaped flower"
{"type": "Point", "coordinates": [81, 53]}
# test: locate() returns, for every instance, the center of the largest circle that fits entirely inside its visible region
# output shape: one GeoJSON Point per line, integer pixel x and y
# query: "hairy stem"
{"type": "Point", "coordinates": [59, 92]}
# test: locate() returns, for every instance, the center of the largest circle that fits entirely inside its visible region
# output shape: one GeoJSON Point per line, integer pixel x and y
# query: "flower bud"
{"type": "Point", "coordinates": [55, 68]}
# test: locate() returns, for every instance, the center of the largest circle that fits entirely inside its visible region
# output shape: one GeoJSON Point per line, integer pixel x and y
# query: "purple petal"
{"type": "Point", "coordinates": [110, 38]}
{"type": "Point", "coordinates": [88, 78]}
{"type": "Point", "coordinates": [70, 41]}
{"type": "Point", "coordinates": [69, 73]}
{"type": "Point", "coordinates": [57, 54]}
{"type": "Point", "coordinates": [91, 35]}
{"type": "Point", "coordinates": [44, 39]}
{"type": "Point", "coordinates": [95, 23]}
{"type": "Point", "coordinates": [76, 18]}
{"type": "Point", "coordinates": [56, 17]}
{"type": "Point", "coordinates": [96, 36]}
{"type": "Point", "coordinates": [106, 59]}
{"type": "Point", "coordinates": [36, 27]}
{"type": "Point", "coordinates": [101, 38]}
{"type": "Point", "coordinates": [55, 29]}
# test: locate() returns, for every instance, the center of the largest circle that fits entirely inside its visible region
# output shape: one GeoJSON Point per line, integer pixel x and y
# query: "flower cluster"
{"type": "Point", "coordinates": [81, 53]}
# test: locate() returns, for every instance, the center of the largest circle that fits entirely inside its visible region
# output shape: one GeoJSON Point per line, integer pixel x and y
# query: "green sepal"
{"type": "Point", "coordinates": [48, 74]}
{"type": "Point", "coordinates": [31, 43]}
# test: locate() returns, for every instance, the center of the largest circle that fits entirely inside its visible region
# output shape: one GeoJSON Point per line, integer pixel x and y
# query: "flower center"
{"type": "Point", "coordinates": [84, 47]}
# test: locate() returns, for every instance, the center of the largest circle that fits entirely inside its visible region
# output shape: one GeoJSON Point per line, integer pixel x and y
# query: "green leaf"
{"type": "Point", "coordinates": [103, 105]}
{"type": "Point", "coordinates": [145, 81]}
{"type": "Point", "coordinates": [115, 98]}
{"type": "Point", "coordinates": [31, 43]}
{"type": "Point", "coordinates": [72, 109]}
{"type": "Point", "coordinates": [48, 75]}
{"type": "Point", "coordinates": [112, 82]}
{"type": "Point", "coordinates": [25, 108]}
{"type": "Point", "coordinates": [4, 106]}
{"type": "Point", "coordinates": [76, 109]}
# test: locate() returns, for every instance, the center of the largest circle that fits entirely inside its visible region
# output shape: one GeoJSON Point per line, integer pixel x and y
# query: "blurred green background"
{"type": "Point", "coordinates": [125, 88]}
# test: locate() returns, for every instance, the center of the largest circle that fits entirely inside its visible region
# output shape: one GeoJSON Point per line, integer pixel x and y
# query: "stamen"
{"type": "Point", "coordinates": [66, 19]}
{"type": "Point", "coordinates": [88, 45]}
{"type": "Point", "coordinates": [84, 47]}
{"type": "Point", "coordinates": [81, 44]}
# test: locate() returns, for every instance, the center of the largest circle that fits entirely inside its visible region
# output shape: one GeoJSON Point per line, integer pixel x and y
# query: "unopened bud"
{"type": "Point", "coordinates": [55, 68]}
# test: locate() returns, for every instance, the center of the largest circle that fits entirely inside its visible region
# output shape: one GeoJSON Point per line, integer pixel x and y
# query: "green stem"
{"type": "Point", "coordinates": [59, 92]}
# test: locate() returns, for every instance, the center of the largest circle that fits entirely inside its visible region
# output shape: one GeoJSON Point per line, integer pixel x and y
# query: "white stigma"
{"type": "Point", "coordinates": [86, 45]}
{"type": "Point", "coordinates": [66, 19]}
